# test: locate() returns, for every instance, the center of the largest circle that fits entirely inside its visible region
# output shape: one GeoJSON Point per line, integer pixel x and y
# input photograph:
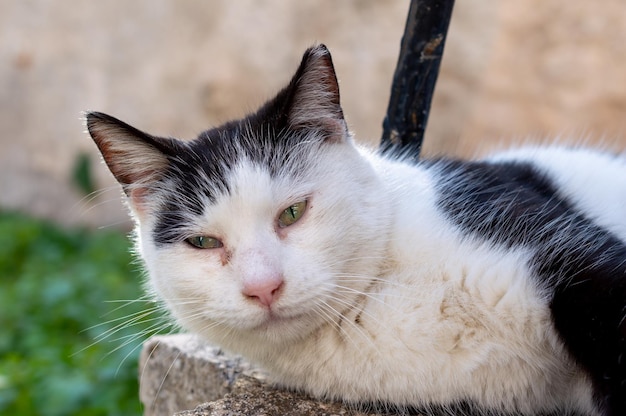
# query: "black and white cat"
{"type": "Point", "coordinates": [499, 284]}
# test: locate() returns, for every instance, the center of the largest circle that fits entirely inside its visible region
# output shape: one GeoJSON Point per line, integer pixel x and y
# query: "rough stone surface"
{"type": "Point", "coordinates": [250, 397]}
{"type": "Point", "coordinates": [180, 372]}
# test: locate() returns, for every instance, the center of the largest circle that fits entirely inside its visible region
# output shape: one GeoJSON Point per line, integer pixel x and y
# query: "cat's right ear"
{"type": "Point", "coordinates": [312, 96]}
{"type": "Point", "coordinates": [136, 159]}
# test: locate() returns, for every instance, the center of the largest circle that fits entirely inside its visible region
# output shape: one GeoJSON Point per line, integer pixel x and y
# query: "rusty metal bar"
{"type": "Point", "coordinates": [415, 76]}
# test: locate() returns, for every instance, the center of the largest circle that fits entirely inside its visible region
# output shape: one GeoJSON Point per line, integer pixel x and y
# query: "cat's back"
{"type": "Point", "coordinates": [593, 181]}
{"type": "Point", "coordinates": [531, 185]}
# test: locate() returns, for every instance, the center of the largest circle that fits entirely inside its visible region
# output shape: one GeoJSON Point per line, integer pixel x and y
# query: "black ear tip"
{"type": "Point", "coordinates": [91, 120]}
{"type": "Point", "coordinates": [94, 116]}
{"type": "Point", "coordinates": [320, 50]}
{"type": "Point", "coordinates": [97, 120]}
{"type": "Point", "coordinates": [318, 56]}
{"type": "Point", "coordinates": [98, 124]}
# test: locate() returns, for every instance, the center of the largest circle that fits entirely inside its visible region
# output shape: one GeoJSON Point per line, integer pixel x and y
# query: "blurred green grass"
{"type": "Point", "coordinates": [62, 350]}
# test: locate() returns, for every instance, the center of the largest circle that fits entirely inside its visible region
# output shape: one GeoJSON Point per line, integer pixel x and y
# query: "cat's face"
{"type": "Point", "coordinates": [259, 230]}
{"type": "Point", "coordinates": [283, 253]}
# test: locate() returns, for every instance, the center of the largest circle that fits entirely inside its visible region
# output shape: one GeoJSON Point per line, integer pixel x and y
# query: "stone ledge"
{"type": "Point", "coordinates": [250, 396]}
{"type": "Point", "coordinates": [180, 372]}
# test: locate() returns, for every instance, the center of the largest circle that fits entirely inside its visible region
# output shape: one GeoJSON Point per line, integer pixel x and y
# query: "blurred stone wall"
{"type": "Point", "coordinates": [511, 70]}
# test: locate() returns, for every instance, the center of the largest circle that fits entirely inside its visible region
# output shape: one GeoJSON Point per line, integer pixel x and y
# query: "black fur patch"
{"type": "Point", "coordinates": [584, 265]}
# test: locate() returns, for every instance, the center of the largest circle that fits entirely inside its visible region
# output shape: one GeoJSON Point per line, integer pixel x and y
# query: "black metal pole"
{"type": "Point", "coordinates": [415, 76]}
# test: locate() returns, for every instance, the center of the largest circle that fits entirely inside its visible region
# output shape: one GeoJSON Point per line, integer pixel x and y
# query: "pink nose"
{"type": "Point", "coordinates": [265, 291]}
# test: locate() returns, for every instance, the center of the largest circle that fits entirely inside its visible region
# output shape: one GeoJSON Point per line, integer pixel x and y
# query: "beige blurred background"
{"type": "Point", "coordinates": [512, 70]}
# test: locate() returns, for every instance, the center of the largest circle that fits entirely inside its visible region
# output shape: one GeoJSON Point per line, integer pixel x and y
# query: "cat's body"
{"type": "Point", "coordinates": [499, 283]}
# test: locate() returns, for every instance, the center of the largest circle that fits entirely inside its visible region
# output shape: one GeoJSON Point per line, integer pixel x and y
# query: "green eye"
{"type": "Point", "coordinates": [204, 242]}
{"type": "Point", "coordinates": [292, 214]}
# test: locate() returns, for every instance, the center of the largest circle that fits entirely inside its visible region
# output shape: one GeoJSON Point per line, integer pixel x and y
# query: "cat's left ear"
{"type": "Point", "coordinates": [314, 95]}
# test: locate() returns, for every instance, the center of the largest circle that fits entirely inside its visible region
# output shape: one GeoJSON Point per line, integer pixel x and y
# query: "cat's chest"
{"type": "Point", "coordinates": [465, 323]}
{"type": "Point", "coordinates": [461, 306]}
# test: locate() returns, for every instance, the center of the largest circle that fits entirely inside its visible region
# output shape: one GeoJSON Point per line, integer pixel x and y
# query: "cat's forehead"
{"type": "Point", "coordinates": [267, 145]}
{"type": "Point", "coordinates": [254, 197]}
{"type": "Point", "coordinates": [232, 168]}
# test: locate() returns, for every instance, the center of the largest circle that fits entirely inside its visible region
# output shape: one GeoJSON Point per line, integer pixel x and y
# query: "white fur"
{"type": "Point", "coordinates": [441, 317]}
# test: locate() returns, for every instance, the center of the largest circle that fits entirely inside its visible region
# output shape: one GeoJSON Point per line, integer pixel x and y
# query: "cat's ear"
{"type": "Point", "coordinates": [314, 93]}
{"type": "Point", "coordinates": [136, 159]}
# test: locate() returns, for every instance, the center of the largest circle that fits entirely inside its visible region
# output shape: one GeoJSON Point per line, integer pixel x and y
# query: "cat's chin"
{"type": "Point", "coordinates": [281, 327]}
{"type": "Point", "coordinates": [265, 327]}
{"type": "Point", "coordinates": [275, 320]}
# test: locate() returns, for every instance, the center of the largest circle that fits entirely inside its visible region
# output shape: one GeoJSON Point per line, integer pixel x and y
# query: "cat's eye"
{"type": "Point", "coordinates": [291, 214]}
{"type": "Point", "coordinates": [204, 242]}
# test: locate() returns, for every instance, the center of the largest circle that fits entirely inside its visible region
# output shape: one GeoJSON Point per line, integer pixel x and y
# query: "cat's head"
{"type": "Point", "coordinates": [261, 229]}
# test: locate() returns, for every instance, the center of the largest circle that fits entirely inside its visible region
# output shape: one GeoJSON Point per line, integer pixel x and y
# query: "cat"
{"type": "Point", "coordinates": [497, 284]}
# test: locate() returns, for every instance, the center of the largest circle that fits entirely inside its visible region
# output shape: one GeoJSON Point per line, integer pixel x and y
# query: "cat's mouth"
{"type": "Point", "coordinates": [274, 319]}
